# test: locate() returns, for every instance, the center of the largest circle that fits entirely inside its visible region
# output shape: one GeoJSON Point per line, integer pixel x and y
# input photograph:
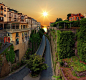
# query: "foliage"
{"type": "Point", "coordinates": [41, 32]}
{"type": "Point", "coordinates": [61, 27]}
{"type": "Point", "coordinates": [35, 39]}
{"type": "Point", "coordinates": [36, 64]}
{"type": "Point", "coordinates": [68, 15]}
{"type": "Point", "coordinates": [76, 23]}
{"type": "Point", "coordinates": [65, 44]}
{"type": "Point", "coordinates": [61, 63]}
{"type": "Point", "coordinates": [58, 19]}
{"type": "Point", "coordinates": [10, 55]}
{"type": "Point", "coordinates": [77, 66]}
{"type": "Point", "coordinates": [57, 77]}
{"type": "Point", "coordinates": [81, 46]}
{"type": "Point", "coordinates": [47, 37]}
{"type": "Point", "coordinates": [28, 52]}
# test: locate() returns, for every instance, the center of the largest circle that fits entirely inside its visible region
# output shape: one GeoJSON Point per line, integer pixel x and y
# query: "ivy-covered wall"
{"type": "Point", "coordinates": [81, 38]}
{"type": "Point", "coordinates": [65, 44]}
{"type": "Point", "coordinates": [10, 54]}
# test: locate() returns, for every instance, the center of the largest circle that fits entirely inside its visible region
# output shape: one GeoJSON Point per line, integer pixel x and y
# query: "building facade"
{"type": "Point", "coordinates": [18, 27]}
{"type": "Point", "coordinates": [75, 17]}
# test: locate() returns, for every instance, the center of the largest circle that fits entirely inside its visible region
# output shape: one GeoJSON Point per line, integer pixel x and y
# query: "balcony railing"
{"type": "Point", "coordinates": [17, 30]}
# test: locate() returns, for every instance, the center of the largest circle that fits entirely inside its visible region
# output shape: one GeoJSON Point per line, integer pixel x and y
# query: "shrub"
{"type": "Point", "coordinates": [36, 64]}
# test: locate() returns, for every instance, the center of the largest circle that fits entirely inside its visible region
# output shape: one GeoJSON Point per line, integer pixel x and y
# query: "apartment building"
{"type": "Point", "coordinates": [75, 17]}
{"type": "Point", "coordinates": [38, 25]}
{"type": "Point", "coordinates": [18, 27]}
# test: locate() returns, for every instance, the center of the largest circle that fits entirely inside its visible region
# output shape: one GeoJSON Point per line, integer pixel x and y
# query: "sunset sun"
{"type": "Point", "coordinates": [45, 14]}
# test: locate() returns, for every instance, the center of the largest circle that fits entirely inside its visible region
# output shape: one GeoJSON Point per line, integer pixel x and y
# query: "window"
{"type": "Point", "coordinates": [21, 26]}
{"type": "Point", "coordinates": [22, 17]}
{"type": "Point", "coordinates": [10, 14]}
{"type": "Point", "coordinates": [15, 16]}
{"type": "Point", "coordinates": [4, 10]}
{"type": "Point", "coordinates": [1, 18]}
{"type": "Point", "coordinates": [13, 26]}
{"type": "Point", "coordinates": [77, 18]}
{"type": "Point", "coordinates": [17, 41]}
{"type": "Point", "coordinates": [17, 35]}
{"type": "Point", "coordinates": [1, 7]}
{"type": "Point", "coordinates": [23, 34]}
{"type": "Point", "coordinates": [8, 34]}
{"type": "Point", "coordinates": [4, 15]}
{"type": "Point", "coordinates": [17, 26]}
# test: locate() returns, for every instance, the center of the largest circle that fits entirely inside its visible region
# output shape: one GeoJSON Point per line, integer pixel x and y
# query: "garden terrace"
{"type": "Point", "coordinates": [74, 67]}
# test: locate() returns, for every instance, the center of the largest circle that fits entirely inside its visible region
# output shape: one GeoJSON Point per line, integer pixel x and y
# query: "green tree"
{"type": "Point", "coordinates": [58, 19]}
{"type": "Point", "coordinates": [41, 32]}
{"type": "Point", "coordinates": [36, 64]}
{"type": "Point", "coordinates": [68, 15]}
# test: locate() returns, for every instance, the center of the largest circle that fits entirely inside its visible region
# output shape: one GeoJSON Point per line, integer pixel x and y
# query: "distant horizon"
{"type": "Point", "coordinates": [55, 8]}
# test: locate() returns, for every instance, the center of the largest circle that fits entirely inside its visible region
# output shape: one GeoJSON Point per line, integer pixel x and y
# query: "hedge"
{"type": "Point", "coordinates": [81, 38]}
{"type": "Point", "coordinates": [65, 44]}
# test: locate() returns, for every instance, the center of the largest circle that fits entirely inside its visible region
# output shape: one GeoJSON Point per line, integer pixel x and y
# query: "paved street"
{"type": "Point", "coordinates": [42, 46]}
{"type": "Point", "coordinates": [19, 75]}
{"type": "Point", "coordinates": [47, 74]}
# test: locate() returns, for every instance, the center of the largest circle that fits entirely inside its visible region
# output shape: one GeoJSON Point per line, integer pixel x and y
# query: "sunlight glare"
{"type": "Point", "coordinates": [45, 13]}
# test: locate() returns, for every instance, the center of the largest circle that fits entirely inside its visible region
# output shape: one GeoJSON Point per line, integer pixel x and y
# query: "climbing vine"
{"type": "Point", "coordinates": [10, 55]}
{"type": "Point", "coordinates": [65, 44]}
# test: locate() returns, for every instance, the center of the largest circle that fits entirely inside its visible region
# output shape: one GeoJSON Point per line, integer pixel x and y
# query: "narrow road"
{"type": "Point", "coordinates": [19, 75]}
{"type": "Point", "coordinates": [42, 46]}
{"type": "Point", "coordinates": [47, 74]}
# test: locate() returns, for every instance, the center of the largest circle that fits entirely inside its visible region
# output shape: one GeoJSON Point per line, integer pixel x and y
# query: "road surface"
{"type": "Point", "coordinates": [19, 75]}
{"type": "Point", "coordinates": [47, 74]}
{"type": "Point", "coordinates": [42, 46]}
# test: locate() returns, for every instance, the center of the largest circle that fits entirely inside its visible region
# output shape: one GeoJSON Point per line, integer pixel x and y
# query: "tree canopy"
{"type": "Point", "coordinates": [58, 19]}
{"type": "Point", "coordinates": [68, 15]}
{"type": "Point", "coordinates": [36, 64]}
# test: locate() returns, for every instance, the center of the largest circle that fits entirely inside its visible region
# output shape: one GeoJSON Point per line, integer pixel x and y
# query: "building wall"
{"type": "Point", "coordinates": [22, 46]}
{"type": "Point", "coordinates": [5, 13]}
{"type": "Point", "coordinates": [74, 17]}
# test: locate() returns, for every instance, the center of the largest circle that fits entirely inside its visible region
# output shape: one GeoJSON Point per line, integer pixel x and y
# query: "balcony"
{"type": "Point", "coordinates": [17, 30]}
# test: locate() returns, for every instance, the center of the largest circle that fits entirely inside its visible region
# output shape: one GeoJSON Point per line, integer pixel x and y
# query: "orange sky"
{"type": "Point", "coordinates": [55, 8]}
